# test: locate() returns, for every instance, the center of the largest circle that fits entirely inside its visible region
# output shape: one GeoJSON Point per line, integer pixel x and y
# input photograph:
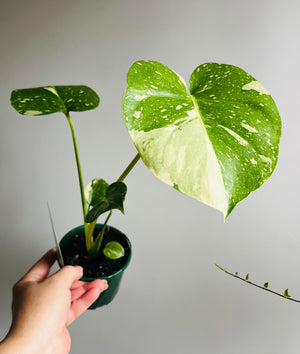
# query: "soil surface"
{"type": "Point", "coordinates": [98, 266]}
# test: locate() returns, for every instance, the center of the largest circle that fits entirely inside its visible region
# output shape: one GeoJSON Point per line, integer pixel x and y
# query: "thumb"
{"type": "Point", "coordinates": [40, 270]}
{"type": "Point", "coordinates": [67, 275]}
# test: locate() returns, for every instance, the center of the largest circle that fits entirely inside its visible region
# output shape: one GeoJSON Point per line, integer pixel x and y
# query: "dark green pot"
{"type": "Point", "coordinates": [114, 279]}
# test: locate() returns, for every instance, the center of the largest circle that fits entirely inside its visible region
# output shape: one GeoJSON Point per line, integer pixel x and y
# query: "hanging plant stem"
{"type": "Point", "coordinates": [285, 294]}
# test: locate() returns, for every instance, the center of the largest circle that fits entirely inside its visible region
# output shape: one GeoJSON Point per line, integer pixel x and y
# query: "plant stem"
{"type": "Point", "coordinates": [97, 244]}
{"type": "Point", "coordinates": [94, 246]}
{"type": "Point", "coordinates": [84, 210]}
{"type": "Point", "coordinates": [89, 235]}
{"type": "Point", "coordinates": [129, 168]}
{"type": "Point", "coordinates": [258, 286]}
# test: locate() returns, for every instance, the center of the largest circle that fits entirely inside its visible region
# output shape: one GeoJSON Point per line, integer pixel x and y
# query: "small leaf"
{"type": "Point", "coordinates": [95, 191]}
{"type": "Point", "coordinates": [114, 199]}
{"type": "Point", "coordinates": [266, 285]}
{"type": "Point", "coordinates": [51, 99]}
{"type": "Point", "coordinates": [236, 274]}
{"type": "Point", "coordinates": [286, 293]}
{"type": "Point", "coordinates": [247, 278]}
{"type": "Point", "coordinates": [114, 250]}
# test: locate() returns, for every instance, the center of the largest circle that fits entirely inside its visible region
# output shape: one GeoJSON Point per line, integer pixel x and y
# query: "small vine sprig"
{"type": "Point", "coordinates": [285, 294]}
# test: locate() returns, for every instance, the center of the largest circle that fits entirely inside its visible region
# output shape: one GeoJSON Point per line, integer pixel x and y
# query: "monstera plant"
{"type": "Point", "coordinates": [216, 143]}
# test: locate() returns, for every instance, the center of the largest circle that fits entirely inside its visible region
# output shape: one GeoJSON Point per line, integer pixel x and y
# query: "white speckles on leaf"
{"type": "Point", "coordinates": [140, 97]}
{"type": "Point", "coordinates": [265, 159]}
{"type": "Point", "coordinates": [24, 100]}
{"type": "Point", "coordinates": [221, 127]}
{"type": "Point", "coordinates": [137, 114]}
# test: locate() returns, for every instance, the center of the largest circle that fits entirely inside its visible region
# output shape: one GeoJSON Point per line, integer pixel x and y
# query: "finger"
{"type": "Point", "coordinates": [80, 305]}
{"type": "Point", "coordinates": [67, 275]}
{"type": "Point", "coordinates": [79, 291]}
{"type": "Point", "coordinates": [40, 270]}
{"type": "Point", "coordinates": [77, 284]}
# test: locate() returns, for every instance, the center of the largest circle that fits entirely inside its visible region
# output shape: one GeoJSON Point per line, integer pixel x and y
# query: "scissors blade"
{"type": "Point", "coordinates": [59, 254]}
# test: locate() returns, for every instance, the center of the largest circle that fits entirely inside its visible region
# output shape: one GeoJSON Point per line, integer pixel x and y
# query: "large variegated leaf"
{"type": "Point", "coordinates": [217, 144]}
{"type": "Point", "coordinates": [51, 99]}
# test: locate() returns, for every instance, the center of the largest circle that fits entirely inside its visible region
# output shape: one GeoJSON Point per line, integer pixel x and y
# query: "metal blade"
{"type": "Point", "coordinates": [59, 254]}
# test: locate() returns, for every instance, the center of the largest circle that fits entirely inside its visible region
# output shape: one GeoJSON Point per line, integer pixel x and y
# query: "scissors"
{"type": "Point", "coordinates": [58, 250]}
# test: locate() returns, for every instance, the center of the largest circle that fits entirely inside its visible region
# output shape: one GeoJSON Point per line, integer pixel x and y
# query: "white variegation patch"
{"type": "Point", "coordinates": [176, 156]}
{"type": "Point", "coordinates": [249, 128]}
{"type": "Point", "coordinates": [51, 89]}
{"type": "Point", "coordinates": [257, 86]}
{"type": "Point", "coordinates": [140, 97]}
{"type": "Point", "coordinates": [137, 114]}
{"type": "Point", "coordinates": [241, 140]}
{"type": "Point", "coordinates": [32, 113]}
{"type": "Point", "coordinates": [266, 159]}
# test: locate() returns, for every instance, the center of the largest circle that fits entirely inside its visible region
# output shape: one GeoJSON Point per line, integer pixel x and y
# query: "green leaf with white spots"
{"type": "Point", "coordinates": [52, 99]}
{"type": "Point", "coordinates": [217, 144]}
{"type": "Point", "coordinates": [114, 250]}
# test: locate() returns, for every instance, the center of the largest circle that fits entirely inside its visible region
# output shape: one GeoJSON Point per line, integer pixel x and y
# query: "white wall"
{"type": "Point", "coordinates": [173, 299]}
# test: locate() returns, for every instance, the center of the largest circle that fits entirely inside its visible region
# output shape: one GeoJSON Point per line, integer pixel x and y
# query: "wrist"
{"type": "Point", "coordinates": [14, 343]}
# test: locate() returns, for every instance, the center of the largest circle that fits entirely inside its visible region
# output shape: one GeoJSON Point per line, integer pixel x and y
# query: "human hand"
{"type": "Point", "coordinates": [44, 306]}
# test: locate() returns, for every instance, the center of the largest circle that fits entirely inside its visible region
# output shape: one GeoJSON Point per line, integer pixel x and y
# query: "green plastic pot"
{"type": "Point", "coordinates": [114, 279]}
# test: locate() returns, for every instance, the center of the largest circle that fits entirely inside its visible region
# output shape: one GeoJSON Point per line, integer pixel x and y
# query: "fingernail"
{"type": "Point", "coordinates": [79, 268]}
{"type": "Point", "coordinates": [105, 284]}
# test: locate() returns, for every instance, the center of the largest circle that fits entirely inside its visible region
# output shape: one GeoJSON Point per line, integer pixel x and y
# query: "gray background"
{"type": "Point", "coordinates": [173, 299]}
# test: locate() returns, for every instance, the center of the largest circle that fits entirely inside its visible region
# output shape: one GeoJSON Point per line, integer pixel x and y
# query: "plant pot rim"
{"type": "Point", "coordinates": [106, 277]}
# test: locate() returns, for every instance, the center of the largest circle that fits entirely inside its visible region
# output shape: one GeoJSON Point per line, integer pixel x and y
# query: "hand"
{"type": "Point", "coordinates": [44, 306]}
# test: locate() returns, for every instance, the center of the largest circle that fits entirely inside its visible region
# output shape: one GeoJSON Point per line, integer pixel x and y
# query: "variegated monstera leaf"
{"type": "Point", "coordinates": [217, 144]}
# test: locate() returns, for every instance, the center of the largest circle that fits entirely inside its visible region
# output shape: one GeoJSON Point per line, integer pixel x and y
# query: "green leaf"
{"type": "Point", "coordinates": [114, 250]}
{"type": "Point", "coordinates": [236, 274]}
{"type": "Point", "coordinates": [266, 285]}
{"type": "Point", "coordinates": [51, 99]}
{"type": "Point", "coordinates": [286, 293]}
{"type": "Point", "coordinates": [217, 144]}
{"type": "Point", "coordinates": [247, 278]}
{"type": "Point", "coordinates": [95, 191]}
{"type": "Point", "coordinates": [114, 199]}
